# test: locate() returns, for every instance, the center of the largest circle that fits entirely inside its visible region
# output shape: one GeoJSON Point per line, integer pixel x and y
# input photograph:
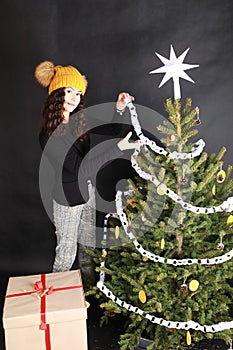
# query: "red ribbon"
{"type": "Point", "coordinates": [40, 288]}
{"type": "Point", "coordinates": [42, 284]}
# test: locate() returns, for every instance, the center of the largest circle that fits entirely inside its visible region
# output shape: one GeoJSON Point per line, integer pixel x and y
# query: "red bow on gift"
{"type": "Point", "coordinates": [38, 287]}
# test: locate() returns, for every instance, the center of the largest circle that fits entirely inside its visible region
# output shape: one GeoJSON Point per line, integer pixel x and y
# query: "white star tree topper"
{"type": "Point", "coordinates": [174, 68]}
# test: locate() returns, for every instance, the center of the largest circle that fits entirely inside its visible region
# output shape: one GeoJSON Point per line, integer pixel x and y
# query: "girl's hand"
{"type": "Point", "coordinates": [123, 99]}
{"type": "Point", "coordinates": [124, 144]}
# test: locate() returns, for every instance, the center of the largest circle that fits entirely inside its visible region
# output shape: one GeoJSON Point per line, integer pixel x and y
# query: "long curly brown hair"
{"type": "Point", "coordinates": [52, 116]}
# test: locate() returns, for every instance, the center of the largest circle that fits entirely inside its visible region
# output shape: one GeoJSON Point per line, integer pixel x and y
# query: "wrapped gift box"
{"type": "Point", "coordinates": [45, 312]}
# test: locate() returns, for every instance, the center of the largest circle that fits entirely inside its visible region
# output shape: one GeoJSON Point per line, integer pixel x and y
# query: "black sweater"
{"type": "Point", "coordinates": [71, 168]}
{"type": "Point", "coordinates": [105, 167]}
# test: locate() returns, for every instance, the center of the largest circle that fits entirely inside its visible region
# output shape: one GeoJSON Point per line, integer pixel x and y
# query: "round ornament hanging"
{"type": "Point", "coordinates": [193, 285]}
{"type": "Point", "coordinates": [142, 296]}
{"type": "Point", "coordinates": [221, 176]}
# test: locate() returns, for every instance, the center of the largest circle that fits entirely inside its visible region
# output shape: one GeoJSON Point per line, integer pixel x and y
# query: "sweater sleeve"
{"type": "Point", "coordinates": [121, 124]}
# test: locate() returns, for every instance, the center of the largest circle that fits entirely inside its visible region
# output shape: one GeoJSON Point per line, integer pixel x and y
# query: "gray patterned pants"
{"type": "Point", "coordinates": [75, 232]}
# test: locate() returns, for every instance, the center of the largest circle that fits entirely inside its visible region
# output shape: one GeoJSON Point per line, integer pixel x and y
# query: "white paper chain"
{"type": "Point", "coordinates": [196, 149]}
{"type": "Point", "coordinates": [156, 258]}
{"type": "Point", "coordinates": [161, 321]}
{"type": "Point", "coordinates": [157, 320]}
{"type": "Point", "coordinates": [226, 206]}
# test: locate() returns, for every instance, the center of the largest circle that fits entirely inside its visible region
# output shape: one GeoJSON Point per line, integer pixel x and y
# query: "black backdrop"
{"type": "Point", "coordinates": [113, 43]}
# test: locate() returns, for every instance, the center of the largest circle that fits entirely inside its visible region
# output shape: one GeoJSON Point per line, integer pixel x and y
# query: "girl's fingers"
{"type": "Point", "coordinates": [127, 137]}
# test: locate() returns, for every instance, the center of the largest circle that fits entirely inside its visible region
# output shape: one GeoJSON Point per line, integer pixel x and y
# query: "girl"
{"type": "Point", "coordinates": [65, 140]}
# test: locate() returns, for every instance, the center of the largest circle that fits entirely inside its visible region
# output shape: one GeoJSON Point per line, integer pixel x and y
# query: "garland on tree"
{"type": "Point", "coordinates": [196, 149]}
{"type": "Point", "coordinates": [156, 258]}
{"type": "Point", "coordinates": [158, 320]}
{"type": "Point", "coordinates": [161, 321]}
{"type": "Point", "coordinates": [226, 206]}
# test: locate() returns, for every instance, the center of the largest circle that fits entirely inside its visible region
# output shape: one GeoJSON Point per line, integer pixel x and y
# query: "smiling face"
{"type": "Point", "coordinates": [71, 101]}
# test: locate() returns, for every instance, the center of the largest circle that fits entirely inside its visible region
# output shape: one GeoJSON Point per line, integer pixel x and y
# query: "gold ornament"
{"type": "Point", "coordinates": [193, 285]}
{"type": "Point", "coordinates": [104, 253]}
{"type": "Point", "coordinates": [188, 338]}
{"type": "Point", "coordinates": [161, 189]}
{"type": "Point", "coordinates": [221, 176]}
{"type": "Point", "coordinates": [162, 243]}
{"type": "Point", "coordinates": [131, 203]}
{"type": "Point", "coordinates": [213, 190]}
{"type": "Point", "coordinates": [142, 296]}
{"type": "Point", "coordinates": [117, 232]}
{"type": "Point", "coordinates": [144, 258]}
{"type": "Point", "coordinates": [230, 220]}
{"type": "Point", "coordinates": [87, 304]}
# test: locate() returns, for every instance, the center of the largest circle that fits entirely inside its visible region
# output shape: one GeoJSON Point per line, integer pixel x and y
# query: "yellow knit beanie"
{"type": "Point", "coordinates": [55, 77]}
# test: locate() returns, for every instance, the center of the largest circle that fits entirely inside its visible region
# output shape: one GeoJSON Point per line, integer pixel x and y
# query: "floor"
{"type": "Point", "coordinates": [105, 337]}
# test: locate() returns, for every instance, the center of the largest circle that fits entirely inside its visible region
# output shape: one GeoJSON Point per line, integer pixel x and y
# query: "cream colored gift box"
{"type": "Point", "coordinates": [45, 312]}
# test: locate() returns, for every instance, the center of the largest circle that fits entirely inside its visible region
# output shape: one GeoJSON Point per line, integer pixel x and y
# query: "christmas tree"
{"type": "Point", "coordinates": [170, 274]}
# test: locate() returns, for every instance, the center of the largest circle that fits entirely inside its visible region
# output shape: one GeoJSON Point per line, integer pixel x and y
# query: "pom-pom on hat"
{"type": "Point", "coordinates": [56, 77]}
